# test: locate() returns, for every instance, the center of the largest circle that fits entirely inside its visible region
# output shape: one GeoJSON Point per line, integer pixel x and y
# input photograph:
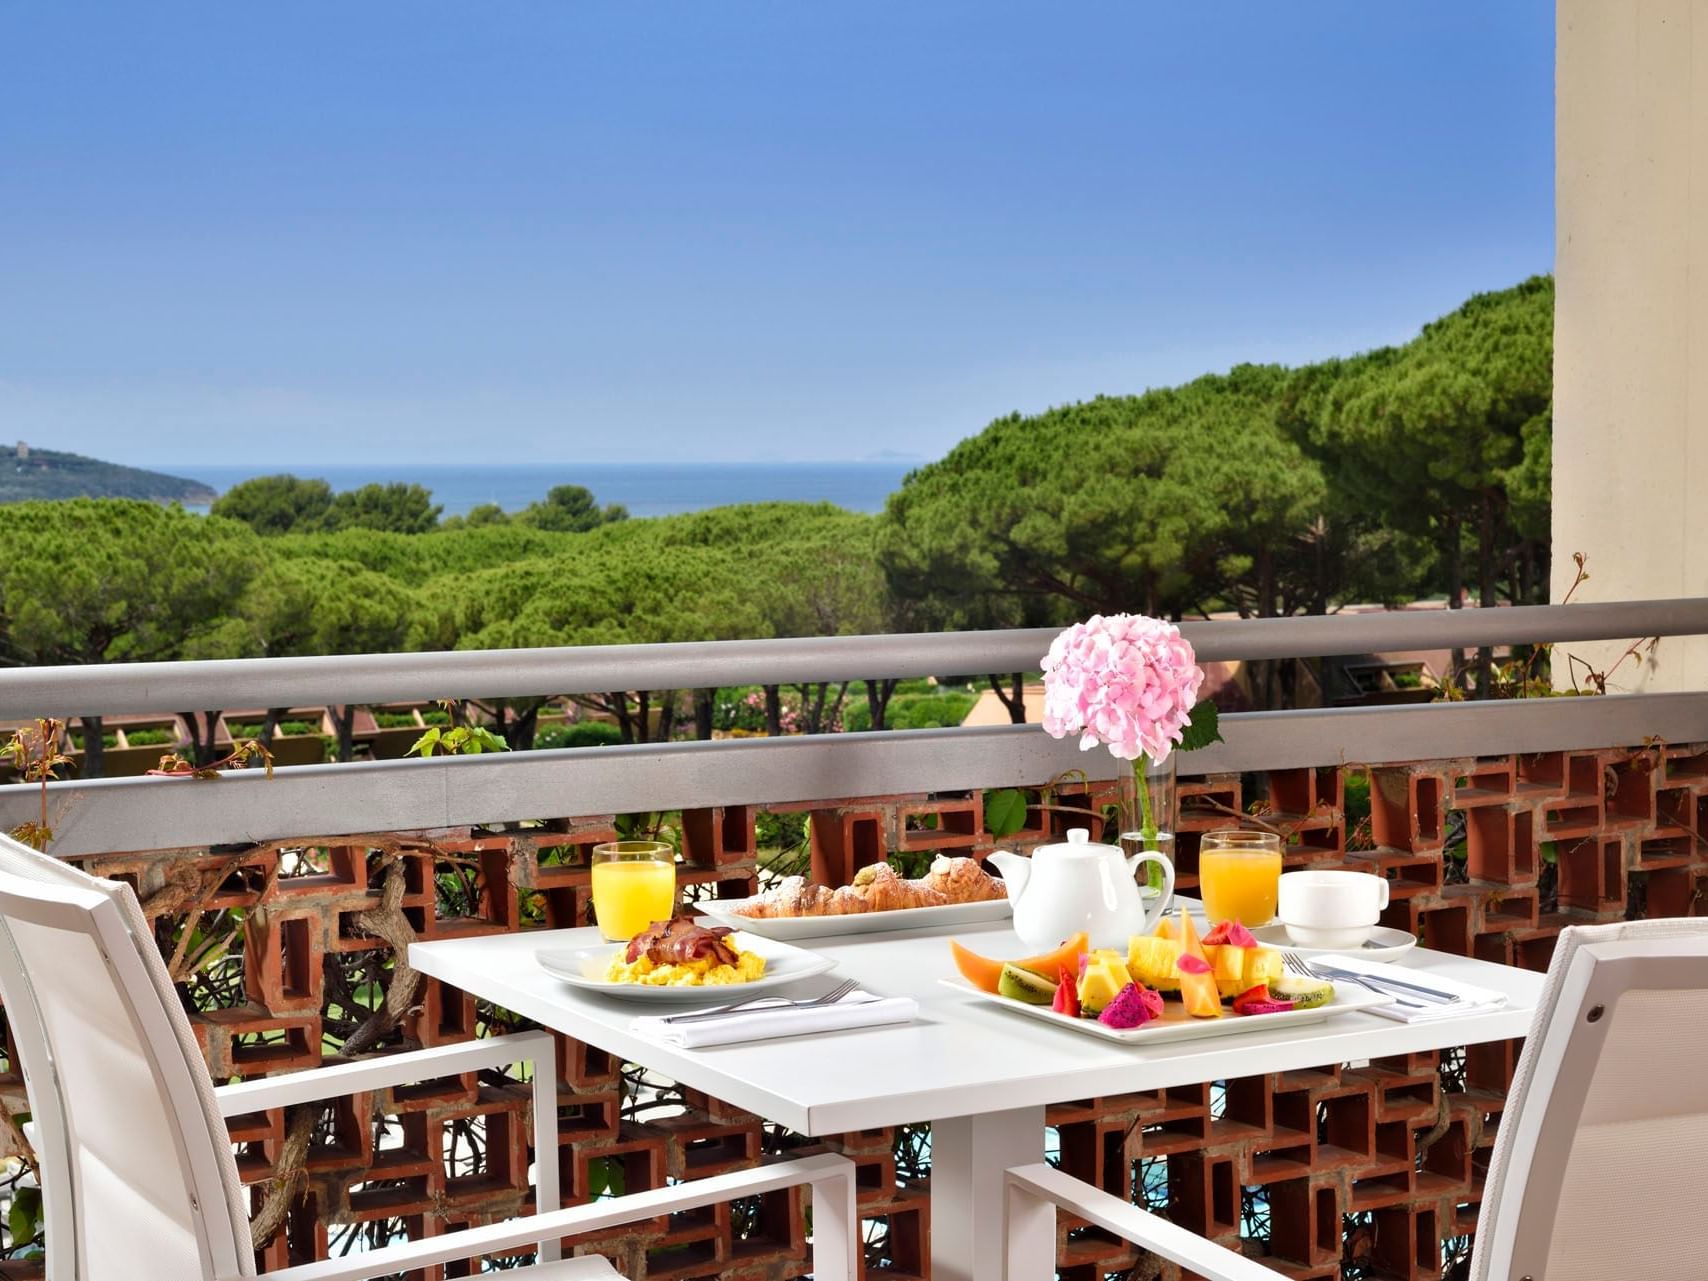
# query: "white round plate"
{"type": "Point", "coordinates": [584, 968]}
{"type": "Point", "coordinates": [1382, 945]}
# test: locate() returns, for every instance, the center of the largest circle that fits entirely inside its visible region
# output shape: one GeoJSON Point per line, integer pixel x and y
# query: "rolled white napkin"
{"type": "Point", "coordinates": [857, 1009]}
{"type": "Point", "coordinates": [1472, 999]}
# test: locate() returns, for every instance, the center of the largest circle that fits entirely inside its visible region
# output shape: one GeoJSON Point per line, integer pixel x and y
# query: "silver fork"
{"type": "Point", "coordinates": [1297, 964]}
{"type": "Point", "coordinates": [756, 1004]}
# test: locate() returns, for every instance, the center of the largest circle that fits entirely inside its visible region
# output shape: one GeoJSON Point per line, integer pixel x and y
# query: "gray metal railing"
{"type": "Point", "coordinates": [116, 688]}
{"type": "Point", "coordinates": [326, 800]}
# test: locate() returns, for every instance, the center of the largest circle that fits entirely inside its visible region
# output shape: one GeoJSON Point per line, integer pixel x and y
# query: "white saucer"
{"type": "Point", "coordinates": [1383, 944]}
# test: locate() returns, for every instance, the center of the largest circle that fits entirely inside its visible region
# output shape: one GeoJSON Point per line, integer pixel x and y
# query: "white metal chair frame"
{"type": "Point", "coordinates": [38, 893]}
{"type": "Point", "coordinates": [1593, 966]}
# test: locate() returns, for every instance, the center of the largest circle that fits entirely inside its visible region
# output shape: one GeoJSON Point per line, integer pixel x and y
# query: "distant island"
{"type": "Point", "coordinates": [27, 472]}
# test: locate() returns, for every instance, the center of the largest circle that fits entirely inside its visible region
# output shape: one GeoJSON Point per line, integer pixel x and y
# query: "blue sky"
{"type": "Point", "coordinates": [341, 233]}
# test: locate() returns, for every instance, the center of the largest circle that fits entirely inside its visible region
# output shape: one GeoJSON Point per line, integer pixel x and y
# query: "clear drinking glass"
{"type": "Point", "coordinates": [634, 885]}
{"type": "Point", "coordinates": [1239, 873]}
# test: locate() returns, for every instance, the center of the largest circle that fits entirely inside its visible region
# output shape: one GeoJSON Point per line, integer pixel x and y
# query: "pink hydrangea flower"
{"type": "Point", "coordinates": [1126, 681]}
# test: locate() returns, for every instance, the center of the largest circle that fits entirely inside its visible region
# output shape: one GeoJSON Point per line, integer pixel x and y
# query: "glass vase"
{"type": "Point", "coordinates": [1160, 788]}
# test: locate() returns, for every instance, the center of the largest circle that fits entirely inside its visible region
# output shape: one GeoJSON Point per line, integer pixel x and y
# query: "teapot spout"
{"type": "Point", "coordinates": [1015, 870]}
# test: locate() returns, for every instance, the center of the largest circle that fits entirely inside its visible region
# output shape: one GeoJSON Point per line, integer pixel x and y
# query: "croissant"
{"type": "Point", "coordinates": [962, 880]}
{"type": "Point", "coordinates": [792, 896]}
{"type": "Point", "coordinates": [887, 892]}
{"type": "Point", "coordinates": [879, 888]}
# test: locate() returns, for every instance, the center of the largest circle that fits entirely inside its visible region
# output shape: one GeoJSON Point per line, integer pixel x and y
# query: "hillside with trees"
{"type": "Point", "coordinates": [28, 473]}
{"type": "Point", "coordinates": [1407, 472]}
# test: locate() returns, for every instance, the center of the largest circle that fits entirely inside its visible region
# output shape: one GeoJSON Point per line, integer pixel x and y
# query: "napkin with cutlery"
{"type": "Point", "coordinates": [767, 1022]}
{"type": "Point", "coordinates": [1417, 992]}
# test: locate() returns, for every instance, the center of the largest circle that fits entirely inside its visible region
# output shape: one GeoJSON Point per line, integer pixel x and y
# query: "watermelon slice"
{"type": "Point", "coordinates": [1258, 1001]}
{"type": "Point", "coordinates": [1067, 995]}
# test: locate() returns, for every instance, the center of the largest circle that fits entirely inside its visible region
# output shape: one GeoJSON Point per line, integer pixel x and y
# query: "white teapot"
{"type": "Point", "coordinates": [1063, 889]}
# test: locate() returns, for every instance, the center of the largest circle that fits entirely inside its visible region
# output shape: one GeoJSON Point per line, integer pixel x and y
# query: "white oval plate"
{"type": "Point", "coordinates": [949, 916]}
{"type": "Point", "coordinates": [584, 968]}
{"type": "Point", "coordinates": [1383, 944]}
{"type": "Point", "coordinates": [1176, 1024]}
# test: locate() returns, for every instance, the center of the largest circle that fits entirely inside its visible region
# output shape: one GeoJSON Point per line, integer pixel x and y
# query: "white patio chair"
{"type": "Point", "coordinates": [138, 1178]}
{"type": "Point", "coordinates": [1603, 1144]}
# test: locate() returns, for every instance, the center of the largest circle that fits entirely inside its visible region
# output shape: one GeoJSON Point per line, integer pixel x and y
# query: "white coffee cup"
{"type": "Point", "coordinates": [1331, 909]}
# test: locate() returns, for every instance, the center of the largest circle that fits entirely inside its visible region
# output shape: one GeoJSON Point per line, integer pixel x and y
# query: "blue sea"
{"type": "Point", "coordinates": [646, 489]}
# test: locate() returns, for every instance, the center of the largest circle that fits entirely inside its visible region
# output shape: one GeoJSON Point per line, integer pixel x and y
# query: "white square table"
{"type": "Point", "coordinates": [980, 1075]}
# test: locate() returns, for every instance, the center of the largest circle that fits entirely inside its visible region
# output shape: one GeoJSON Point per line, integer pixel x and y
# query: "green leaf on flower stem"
{"type": "Point", "coordinates": [1004, 811]}
{"type": "Point", "coordinates": [1203, 729]}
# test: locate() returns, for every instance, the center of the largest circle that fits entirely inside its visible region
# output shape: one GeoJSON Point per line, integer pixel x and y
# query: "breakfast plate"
{"type": "Point", "coordinates": [1383, 944]}
{"type": "Point", "coordinates": [949, 916]}
{"type": "Point", "coordinates": [1177, 1025]}
{"type": "Point", "coordinates": [585, 968]}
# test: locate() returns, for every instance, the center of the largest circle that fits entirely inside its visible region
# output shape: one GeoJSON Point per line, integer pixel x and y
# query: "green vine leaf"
{"type": "Point", "coordinates": [1004, 811]}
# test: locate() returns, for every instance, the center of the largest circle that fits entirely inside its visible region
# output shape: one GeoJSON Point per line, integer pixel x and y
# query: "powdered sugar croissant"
{"type": "Point", "coordinates": [879, 888]}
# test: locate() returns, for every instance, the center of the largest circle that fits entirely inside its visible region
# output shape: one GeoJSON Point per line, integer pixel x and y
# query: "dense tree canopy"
{"type": "Point", "coordinates": [570, 509]}
{"type": "Point", "coordinates": [87, 580]}
{"type": "Point", "coordinates": [1157, 503]}
{"type": "Point", "coordinates": [1449, 437]}
{"type": "Point", "coordinates": [287, 504]}
{"type": "Point", "coordinates": [1264, 491]}
{"type": "Point", "coordinates": [276, 504]}
{"type": "Point", "coordinates": [414, 558]}
{"type": "Point", "coordinates": [397, 508]}
{"type": "Point", "coordinates": [301, 605]}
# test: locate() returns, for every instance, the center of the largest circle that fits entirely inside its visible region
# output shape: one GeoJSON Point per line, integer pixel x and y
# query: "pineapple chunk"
{"type": "Point", "coordinates": [1239, 969]}
{"type": "Point", "coordinates": [1105, 975]}
{"type": "Point", "coordinates": [1227, 962]}
{"type": "Point", "coordinates": [1263, 965]}
{"type": "Point", "coordinates": [1151, 961]}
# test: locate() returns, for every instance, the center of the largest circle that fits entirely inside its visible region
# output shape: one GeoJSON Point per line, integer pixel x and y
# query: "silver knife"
{"type": "Point", "coordinates": [1434, 993]}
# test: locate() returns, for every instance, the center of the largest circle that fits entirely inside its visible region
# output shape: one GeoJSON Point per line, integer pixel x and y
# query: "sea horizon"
{"type": "Point", "coordinates": [646, 489]}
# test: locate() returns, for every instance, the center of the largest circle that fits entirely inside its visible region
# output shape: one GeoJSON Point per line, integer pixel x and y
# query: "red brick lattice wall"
{"type": "Point", "coordinates": [1370, 1168]}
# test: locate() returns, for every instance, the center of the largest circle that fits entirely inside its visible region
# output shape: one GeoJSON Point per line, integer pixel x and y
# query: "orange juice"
{"type": "Point", "coordinates": [1239, 885]}
{"type": "Point", "coordinates": [630, 894]}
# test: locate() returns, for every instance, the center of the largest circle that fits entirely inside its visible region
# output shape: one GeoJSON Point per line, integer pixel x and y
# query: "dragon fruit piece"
{"type": "Point", "coordinates": [1152, 1000]}
{"type": "Point", "coordinates": [1256, 1000]}
{"type": "Point", "coordinates": [1230, 934]}
{"type": "Point", "coordinates": [1128, 1010]}
{"type": "Point", "coordinates": [1190, 964]}
{"type": "Point", "coordinates": [1239, 936]}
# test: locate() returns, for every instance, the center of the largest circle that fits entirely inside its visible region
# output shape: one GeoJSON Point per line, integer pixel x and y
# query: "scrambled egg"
{"type": "Point", "coordinates": [705, 973]}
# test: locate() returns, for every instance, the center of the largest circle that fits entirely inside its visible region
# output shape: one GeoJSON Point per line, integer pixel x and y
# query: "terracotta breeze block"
{"type": "Point", "coordinates": [1407, 807]}
{"type": "Point", "coordinates": [1405, 1140]}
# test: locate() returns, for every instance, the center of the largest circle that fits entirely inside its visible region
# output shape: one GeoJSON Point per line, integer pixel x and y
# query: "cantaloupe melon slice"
{"type": "Point", "coordinates": [1198, 992]}
{"type": "Point", "coordinates": [984, 973]}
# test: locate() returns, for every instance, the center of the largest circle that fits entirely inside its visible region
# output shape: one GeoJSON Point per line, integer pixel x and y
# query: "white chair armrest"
{"type": "Point", "coordinates": [1034, 1191]}
{"type": "Point", "coordinates": [384, 1070]}
{"type": "Point", "coordinates": [536, 1048]}
{"type": "Point", "coordinates": [836, 1234]}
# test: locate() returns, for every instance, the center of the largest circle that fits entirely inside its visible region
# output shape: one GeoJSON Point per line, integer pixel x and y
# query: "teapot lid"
{"type": "Point", "coordinates": [1077, 845]}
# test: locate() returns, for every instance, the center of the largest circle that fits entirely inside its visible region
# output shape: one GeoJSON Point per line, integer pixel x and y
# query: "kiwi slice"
{"type": "Point", "coordinates": [1023, 985]}
{"type": "Point", "coordinates": [1305, 994]}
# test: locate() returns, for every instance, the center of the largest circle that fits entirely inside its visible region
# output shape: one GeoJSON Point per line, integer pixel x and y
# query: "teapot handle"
{"type": "Point", "coordinates": [1163, 899]}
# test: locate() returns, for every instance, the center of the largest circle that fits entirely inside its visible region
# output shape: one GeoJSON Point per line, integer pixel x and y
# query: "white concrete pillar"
{"type": "Point", "coordinates": [1631, 318]}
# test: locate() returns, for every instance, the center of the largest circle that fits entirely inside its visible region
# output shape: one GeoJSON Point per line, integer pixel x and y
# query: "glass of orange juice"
{"type": "Point", "coordinates": [634, 885]}
{"type": "Point", "coordinates": [1238, 876]}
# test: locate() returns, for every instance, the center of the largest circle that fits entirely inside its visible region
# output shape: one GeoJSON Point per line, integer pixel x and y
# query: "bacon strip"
{"type": "Point", "coordinates": [679, 941]}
